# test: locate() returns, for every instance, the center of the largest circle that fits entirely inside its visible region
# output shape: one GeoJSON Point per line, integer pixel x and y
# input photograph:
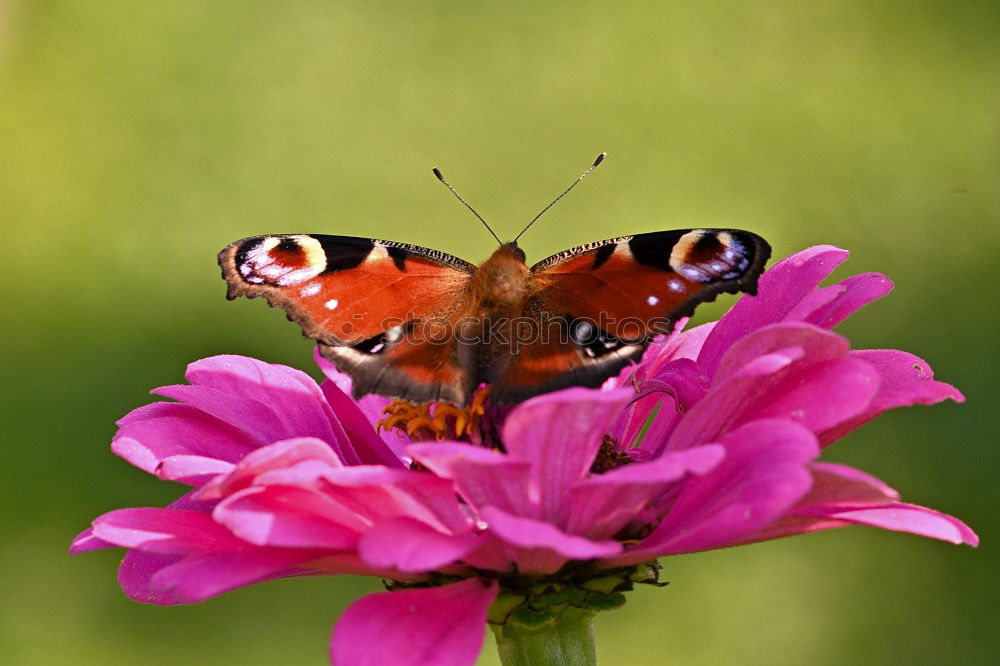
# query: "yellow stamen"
{"type": "Point", "coordinates": [437, 420]}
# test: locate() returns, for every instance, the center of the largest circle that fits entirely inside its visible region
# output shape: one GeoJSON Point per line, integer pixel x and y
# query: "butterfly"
{"type": "Point", "coordinates": [425, 326]}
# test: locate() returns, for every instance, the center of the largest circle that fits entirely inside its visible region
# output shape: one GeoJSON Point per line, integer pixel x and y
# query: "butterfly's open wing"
{"type": "Point", "coordinates": [602, 303]}
{"type": "Point", "coordinates": [383, 312]}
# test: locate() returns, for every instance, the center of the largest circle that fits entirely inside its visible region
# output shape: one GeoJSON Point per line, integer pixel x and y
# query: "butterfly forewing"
{"type": "Point", "coordinates": [634, 286]}
{"type": "Point", "coordinates": [603, 302]}
{"type": "Point", "coordinates": [361, 299]}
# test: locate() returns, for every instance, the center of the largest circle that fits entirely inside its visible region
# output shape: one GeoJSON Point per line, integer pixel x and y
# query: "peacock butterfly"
{"type": "Point", "coordinates": [422, 325]}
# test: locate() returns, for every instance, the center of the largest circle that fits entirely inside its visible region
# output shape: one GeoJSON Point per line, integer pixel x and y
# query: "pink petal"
{"type": "Point", "coordinates": [833, 482]}
{"type": "Point", "coordinates": [681, 379]}
{"type": "Point", "coordinates": [682, 344]}
{"type": "Point", "coordinates": [490, 555]}
{"type": "Point", "coordinates": [763, 475]}
{"type": "Point", "coordinates": [907, 518]}
{"type": "Point", "coordinates": [165, 531]}
{"type": "Point", "coordinates": [780, 290]}
{"type": "Point", "coordinates": [290, 517]}
{"type": "Point", "coordinates": [817, 344]}
{"type": "Point", "coordinates": [270, 402]}
{"type": "Point", "coordinates": [157, 579]}
{"type": "Point", "coordinates": [277, 456]}
{"type": "Point", "coordinates": [482, 476]}
{"type": "Point", "coordinates": [905, 380]}
{"type": "Point", "coordinates": [366, 447]}
{"type": "Point", "coordinates": [86, 541]}
{"type": "Point", "coordinates": [847, 297]}
{"type": "Point", "coordinates": [371, 406]}
{"type": "Point", "coordinates": [599, 506]}
{"type": "Point", "coordinates": [841, 496]}
{"type": "Point", "coordinates": [543, 546]}
{"type": "Point", "coordinates": [438, 626]}
{"type": "Point", "coordinates": [377, 493]}
{"type": "Point", "coordinates": [658, 428]}
{"type": "Point", "coordinates": [411, 546]}
{"type": "Point", "coordinates": [558, 435]}
{"type": "Point", "coordinates": [819, 396]}
{"type": "Point", "coordinates": [636, 418]}
{"type": "Point", "coordinates": [154, 432]}
{"type": "Point", "coordinates": [350, 496]}
{"type": "Point", "coordinates": [834, 486]}
{"type": "Point", "coordinates": [256, 380]}
{"type": "Point", "coordinates": [193, 470]}
{"type": "Point", "coordinates": [350, 563]}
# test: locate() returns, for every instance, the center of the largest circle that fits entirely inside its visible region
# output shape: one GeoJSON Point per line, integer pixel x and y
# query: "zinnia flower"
{"type": "Point", "coordinates": [543, 515]}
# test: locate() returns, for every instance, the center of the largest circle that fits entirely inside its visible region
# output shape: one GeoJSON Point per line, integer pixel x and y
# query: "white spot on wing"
{"type": "Point", "coordinates": [675, 285]}
{"type": "Point", "coordinates": [311, 289]}
{"type": "Point", "coordinates": [331, 304]}
{"type": "Point", "coordinates": [692, 273]}
{"type": "Point", "coordinates": [652, 300]}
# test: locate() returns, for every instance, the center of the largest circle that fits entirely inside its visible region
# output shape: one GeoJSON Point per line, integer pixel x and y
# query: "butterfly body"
{"type": "Point", "coordinates": [423, 325]}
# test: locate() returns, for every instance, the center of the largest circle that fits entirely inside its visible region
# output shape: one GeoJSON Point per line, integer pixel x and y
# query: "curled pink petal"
{"type": "Point", "coordinates": [819, 396]}
{"type": "Point", "coordinates": [150, 434]}
{"type": "Point", "coordinates": [275, 456]}
{"type": "Point", "coordinates": [86, 541]}
{"type": "Point", "coordinates": [481, 476]}
{"type": "Point", "coordinates": [438, 626]}
{"type": "Point", "coordinates": [902, 517]}
{"type": "Point", "coordinates": [408, 545]}
{"type": "Point", "coordinates": [289, 517]}
{"type": "Point", "coordinates": [904, 380]}
{"type": "Point", "coordinates": [543, 546]}
{"type": "Point", "coordinates": [847, 297]}
{"type": "Point", "coordinates": [366, 446]}
{"type": "Point", "coordinates": [833, 482]}
{"type": "Point", "coordinates": [158, 579]}
{"type": "Point", "coordinates": [193, 470]}
{"type": "Point", "coordinates": [166, 531]}
{"type": "Point", "coordinates": [682, 379]}
{"type": "Point", "coordinates": [842, 496]}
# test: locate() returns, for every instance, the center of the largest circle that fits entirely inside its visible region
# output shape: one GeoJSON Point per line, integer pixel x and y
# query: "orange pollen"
{"type": "Point", "coordinates": [436, 420]}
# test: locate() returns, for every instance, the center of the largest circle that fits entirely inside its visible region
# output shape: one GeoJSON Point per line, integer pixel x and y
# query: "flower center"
{"type": "Point", "coordinates": [436, 420]}
{"type": "Point", "coordinates": [609, 457]}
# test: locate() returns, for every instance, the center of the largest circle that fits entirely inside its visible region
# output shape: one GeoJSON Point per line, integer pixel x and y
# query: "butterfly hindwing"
{"type": "Point", "coordinates": [360, 298]}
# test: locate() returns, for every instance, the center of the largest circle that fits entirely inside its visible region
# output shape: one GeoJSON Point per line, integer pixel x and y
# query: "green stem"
{"type": "Point", "coordinates": [565, 639]}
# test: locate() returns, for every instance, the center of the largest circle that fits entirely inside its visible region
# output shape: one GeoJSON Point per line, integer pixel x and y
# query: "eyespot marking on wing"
{"type": "Point", "coordinates": [281, 260]}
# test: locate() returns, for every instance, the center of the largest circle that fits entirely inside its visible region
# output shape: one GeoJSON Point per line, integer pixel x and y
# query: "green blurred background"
{"type": "Point", "coordinates": [138, 138]}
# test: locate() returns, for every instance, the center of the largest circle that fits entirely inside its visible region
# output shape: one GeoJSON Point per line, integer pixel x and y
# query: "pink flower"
{"type": "Point", "coordinates": [710, 441]}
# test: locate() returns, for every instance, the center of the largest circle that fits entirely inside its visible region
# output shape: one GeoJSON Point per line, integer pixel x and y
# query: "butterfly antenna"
{"type": "Point", "coordinates": [597, 162]}
{"type": "Point", "coordinates": [437, 172]}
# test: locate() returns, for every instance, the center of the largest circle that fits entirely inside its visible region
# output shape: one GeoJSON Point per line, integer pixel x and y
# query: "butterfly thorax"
{"type": "Point", "coordinates": [500, 284]}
